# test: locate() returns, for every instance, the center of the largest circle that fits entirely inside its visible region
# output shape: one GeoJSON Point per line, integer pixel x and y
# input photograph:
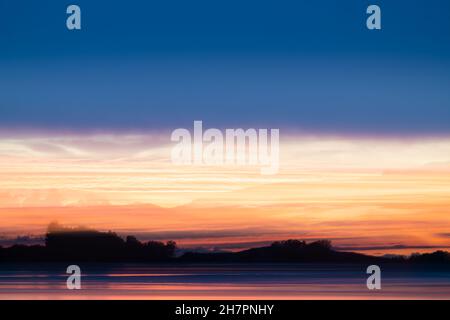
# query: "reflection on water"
{"type": "Point", "coordinates": [268, 281]}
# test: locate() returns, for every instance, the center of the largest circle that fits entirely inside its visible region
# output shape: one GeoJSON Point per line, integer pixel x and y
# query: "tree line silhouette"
{"type": "Point", "coordinates": [78, 244]}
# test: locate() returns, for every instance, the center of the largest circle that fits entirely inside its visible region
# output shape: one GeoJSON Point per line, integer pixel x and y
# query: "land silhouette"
{"type": "Point", "coordinates": [86, 245]}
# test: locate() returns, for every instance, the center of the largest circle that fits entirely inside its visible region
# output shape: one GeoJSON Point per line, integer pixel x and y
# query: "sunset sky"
{"type": "Point", "coordinates": [388, 195]}
{"type": "Point", "coordinates": [364, 119]}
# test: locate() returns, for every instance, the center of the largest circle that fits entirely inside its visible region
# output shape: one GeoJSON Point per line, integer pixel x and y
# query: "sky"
{"type": "Point", "coordinates": [86, 116]}
{"type": "Point", "coordinates": [303, 65]}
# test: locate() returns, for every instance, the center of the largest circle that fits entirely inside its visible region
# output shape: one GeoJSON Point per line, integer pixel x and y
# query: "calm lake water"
{"type": "Point", "coordinates": [268, 281]}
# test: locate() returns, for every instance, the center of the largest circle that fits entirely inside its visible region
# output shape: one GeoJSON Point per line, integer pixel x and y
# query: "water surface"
{"type": "Point", "coordinates": [222, 281]}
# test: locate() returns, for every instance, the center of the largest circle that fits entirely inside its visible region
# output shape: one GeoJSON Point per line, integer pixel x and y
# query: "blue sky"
{"type": "Point", "coordinates": [301, 65]}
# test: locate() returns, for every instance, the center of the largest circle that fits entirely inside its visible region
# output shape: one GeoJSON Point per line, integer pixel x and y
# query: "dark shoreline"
{"type": "Point", "coordinates": [84, 245]}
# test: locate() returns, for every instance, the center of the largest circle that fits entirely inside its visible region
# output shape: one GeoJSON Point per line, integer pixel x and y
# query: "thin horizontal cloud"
{"type": "Point", "coordinates": [445, 235]}
{"type": "Point", "coordinates": [392, 247]}
{"type": "Point", "coordinates": [203, 234]}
